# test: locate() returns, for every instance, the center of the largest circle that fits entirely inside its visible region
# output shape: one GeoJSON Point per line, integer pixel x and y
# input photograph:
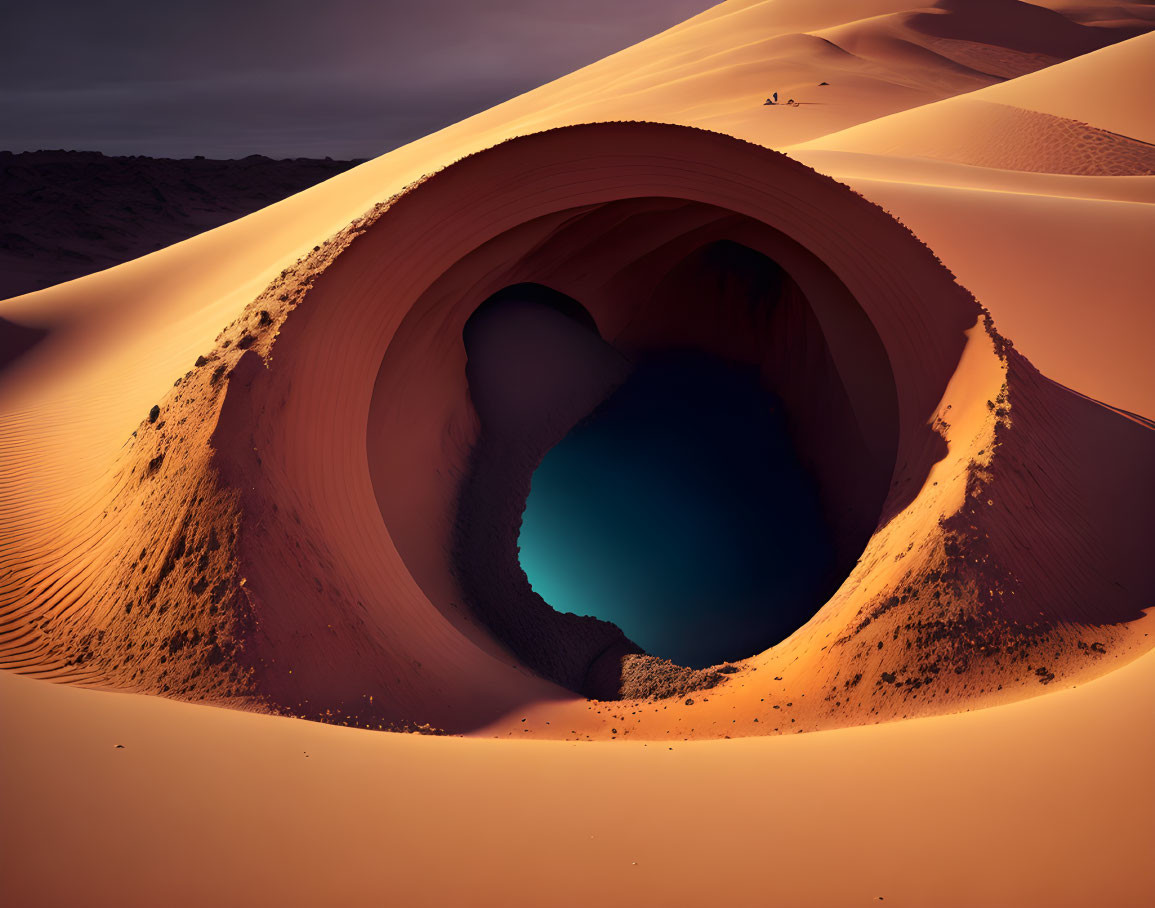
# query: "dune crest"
{"type": "Point", "coordinates": [1017, 125]}
{"type": "Point", "coordinates": [934, 168]}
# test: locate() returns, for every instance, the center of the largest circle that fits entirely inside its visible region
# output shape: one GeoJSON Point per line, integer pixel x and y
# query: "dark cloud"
{"type": "Point", "coordinates": [346, 78]}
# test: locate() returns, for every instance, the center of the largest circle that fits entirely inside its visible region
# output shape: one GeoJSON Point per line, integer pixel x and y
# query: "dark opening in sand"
{"type": "Point", "coordinates": [693, 490]}
{"type": "Point", "coordinates": [679, 512]}
{"type": "Point", "coordinates": [557, 316]}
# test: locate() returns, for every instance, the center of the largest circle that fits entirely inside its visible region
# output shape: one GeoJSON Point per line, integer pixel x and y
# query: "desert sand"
{"type": "Point", "coordinates": [1042, 802]}
{"type": "Point", "coordinates": [230, 470]}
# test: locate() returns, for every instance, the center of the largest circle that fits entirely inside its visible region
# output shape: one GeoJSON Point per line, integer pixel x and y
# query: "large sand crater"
{"type": "Point", "coordinates": [332, 500]}
{"type": "Point", "coordinates": [748, 281]}
{"type": "Point", "coordinates": [657, 274]}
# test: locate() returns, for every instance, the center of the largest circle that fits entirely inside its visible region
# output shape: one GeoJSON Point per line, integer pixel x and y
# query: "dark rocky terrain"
{"type": "Point", "coordinates": [64, 214]}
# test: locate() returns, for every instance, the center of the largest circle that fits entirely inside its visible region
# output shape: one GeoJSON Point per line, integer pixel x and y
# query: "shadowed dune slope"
{"type": "Point", "coordinates": [64, 214]}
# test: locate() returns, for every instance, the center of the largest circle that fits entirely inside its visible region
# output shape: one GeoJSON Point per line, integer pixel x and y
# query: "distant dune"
{"type": "Point", "coordinates": [243, 471]}
{"type": "Point", "coordinates": [1037, 194]}
{"type": "Point", "coordinates": [64, 214]}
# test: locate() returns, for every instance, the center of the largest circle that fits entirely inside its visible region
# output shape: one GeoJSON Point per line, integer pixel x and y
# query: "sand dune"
{"type": "Point", "coordinates": [1042, 803]}
{"type": "Point", "coordinates": [1084, 244]}
{"type": "Point", "coordinates": [972, 130]}
{"type": "Point", "coordinates": [1076, 118]}
{"type": "Point", "coordinates": [231, 471]}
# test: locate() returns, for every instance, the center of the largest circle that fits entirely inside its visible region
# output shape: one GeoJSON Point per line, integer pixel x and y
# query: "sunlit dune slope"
{"type": "Point", "coordinates": [1076, 118]}
{"type": "Point", "coordinates": [1009, 186]}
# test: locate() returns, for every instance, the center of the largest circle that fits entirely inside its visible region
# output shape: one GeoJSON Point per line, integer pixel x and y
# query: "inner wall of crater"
{"type": "Point", "coordinates": [681, 316]}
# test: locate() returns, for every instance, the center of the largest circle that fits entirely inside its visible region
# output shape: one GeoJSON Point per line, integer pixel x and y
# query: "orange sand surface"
{"type": "Point", "coordinates": [1045, 802]}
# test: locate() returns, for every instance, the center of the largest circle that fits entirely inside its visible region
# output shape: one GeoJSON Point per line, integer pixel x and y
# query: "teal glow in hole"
{"type": "Point", "coordinates": [679, 512]}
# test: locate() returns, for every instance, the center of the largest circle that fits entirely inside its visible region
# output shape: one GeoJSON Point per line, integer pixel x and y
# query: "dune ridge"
{"type": "Point", "coordinates": [1010, 138]}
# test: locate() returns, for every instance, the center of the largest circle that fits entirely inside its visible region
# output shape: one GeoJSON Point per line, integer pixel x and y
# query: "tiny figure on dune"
{"type": "Point", "coordinates": [773, 100]}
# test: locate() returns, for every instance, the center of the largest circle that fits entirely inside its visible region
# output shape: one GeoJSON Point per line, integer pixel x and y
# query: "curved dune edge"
{"type": "Point", "coordinates": [276, 584]}
{"type": "Point", "coordinates": [987, 134]}
{"type": "Point", "coordinates": [1092, 88]}
{"type": "Point", "coordinates": [1074, 117]}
